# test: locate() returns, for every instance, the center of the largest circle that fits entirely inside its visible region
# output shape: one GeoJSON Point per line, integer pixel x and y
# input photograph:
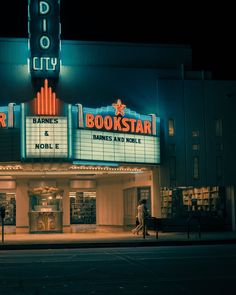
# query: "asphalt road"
{"type": "Point", "coordinates": [143, 270]}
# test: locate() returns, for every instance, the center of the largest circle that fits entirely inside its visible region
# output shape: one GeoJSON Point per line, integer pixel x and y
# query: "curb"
{"type": "Point", "coordinates": [88, 245]}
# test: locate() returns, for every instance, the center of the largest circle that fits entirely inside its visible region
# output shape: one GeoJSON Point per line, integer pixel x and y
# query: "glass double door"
{"type": "Point", "coordinates": [131, 198]}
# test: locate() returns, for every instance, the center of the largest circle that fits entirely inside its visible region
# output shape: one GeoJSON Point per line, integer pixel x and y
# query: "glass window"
{"type": "Point", "coordinates": [206, 199]}
{"type": "Point", "coordinates": [195, 133]}
{"type": "Point", "coordinates": [195, 167]}
{"type": "Point", "coordinates": [171, 129]}
{"type": "Point", "coordinates": [218, 127]}
{"type": "Point", "coordinates": [196, 147]}
{"type": "Point", "coordinates": [83, 207]}
{"type": "Point", "coordinates": [8, 200]}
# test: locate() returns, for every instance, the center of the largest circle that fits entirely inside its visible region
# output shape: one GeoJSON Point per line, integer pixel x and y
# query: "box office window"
{"type": "Point", "coordinates": [83, 207]}
{"type": "Point", "coordinates": [8, 200]}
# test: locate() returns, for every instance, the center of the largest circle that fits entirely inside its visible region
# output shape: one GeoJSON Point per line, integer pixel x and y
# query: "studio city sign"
{"type": "Point", "coordinates": [118, 122]}
{"type": "Point", "coordinates": [44, 37]}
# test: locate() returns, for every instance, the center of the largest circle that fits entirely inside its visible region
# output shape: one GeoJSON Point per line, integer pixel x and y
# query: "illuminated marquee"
{"type": "Point", "coordinates": [3, 119]}
{"type": "Point", "coordinates": [46, 137]}
{"type": "Point", "coordinates": [116, 134]}
{"type": "Point", "coordinates": [44, 37]}
{"type": "Point", "coordinates": [113, 133]}
{"type": "Point", "coordinates": [45, 125]}
{"type": "Point", "coordinates": [7, 116]}
{"type": "Point", "coordinates": [118, 122]}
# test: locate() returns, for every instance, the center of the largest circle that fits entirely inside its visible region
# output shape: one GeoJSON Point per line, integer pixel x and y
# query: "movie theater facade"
{"type": "Point", "coordinates": [87, 129]}
{"type": "Point", "coordinates": [67, 174]}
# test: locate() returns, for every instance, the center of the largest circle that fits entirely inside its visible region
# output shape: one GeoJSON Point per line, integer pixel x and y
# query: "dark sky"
{"type": "Point", "coordinates": [209, 29]}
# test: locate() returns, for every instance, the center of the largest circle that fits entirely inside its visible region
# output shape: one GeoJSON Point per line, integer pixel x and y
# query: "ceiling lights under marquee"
{"type": "Point", "coordinates": [112, 170]}
{"type": "Point", "coordinates": [10, 167]}
{"type": "Point", "coordinates": [62, 169]}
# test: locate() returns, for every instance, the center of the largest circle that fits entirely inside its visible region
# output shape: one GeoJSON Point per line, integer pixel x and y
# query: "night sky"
{"type": "Point", "coordinates": [210, 30]}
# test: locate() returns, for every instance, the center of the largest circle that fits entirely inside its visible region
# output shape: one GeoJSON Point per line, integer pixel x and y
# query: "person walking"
{"type": "Point", "coordinates": [141, 215]}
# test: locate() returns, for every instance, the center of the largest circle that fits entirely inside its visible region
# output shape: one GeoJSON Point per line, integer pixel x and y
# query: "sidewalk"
{"type": "Point", "coordinates": [111, 239]}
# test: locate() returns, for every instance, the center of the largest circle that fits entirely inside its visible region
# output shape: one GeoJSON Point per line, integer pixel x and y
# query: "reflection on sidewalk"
{"type": "Point", "coordinates": [113, 237]}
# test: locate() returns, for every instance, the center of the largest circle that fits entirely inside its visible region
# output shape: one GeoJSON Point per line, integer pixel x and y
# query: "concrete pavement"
{"type": "Point", "coordinates": [111, 239]}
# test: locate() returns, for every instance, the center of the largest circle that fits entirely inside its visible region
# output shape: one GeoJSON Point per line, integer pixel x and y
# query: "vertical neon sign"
{"type": "Point", "coordinates": [44, 38]}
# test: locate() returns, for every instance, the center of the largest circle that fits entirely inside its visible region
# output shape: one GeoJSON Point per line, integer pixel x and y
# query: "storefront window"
{"type": "Point", "coordinates": [166, 203]}
{"type": "Point", "coordinates": [8, 200]}
{"type": "Point", "coordinates": [179, 202]}
{"type": "Point", "coordinates": [83, 207]}
{"type": "Point", "coordinates": [206, 199]}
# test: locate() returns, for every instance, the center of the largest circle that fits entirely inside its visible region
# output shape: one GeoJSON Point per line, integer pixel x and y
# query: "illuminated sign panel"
{"type": "Point", "coordinates": [3, 120]}
{"type": "Point", "coordinates": [46, 137]}
{"type": "Point", "coordinates": [116, 147]}
{"type": "Point", "coordinates": [7, 117]}
{"type": "Point", "coordinates": [117, 134]}
{"type": "Point", "coordinates": [44, 38]}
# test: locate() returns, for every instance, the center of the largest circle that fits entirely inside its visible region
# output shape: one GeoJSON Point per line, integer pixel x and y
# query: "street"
{"type": "Point", "coordinates": [142, 270]}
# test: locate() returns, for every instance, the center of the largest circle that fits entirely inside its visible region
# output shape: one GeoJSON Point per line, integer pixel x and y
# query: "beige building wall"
{"type": "Point", "coordinates": [155, 193]}
{"type": "Point", "coordinates": [22, 206]}
{"type": "Point", "coordinates": [110, 201]}
{"type": "Point", "coordinates": [64, 184]}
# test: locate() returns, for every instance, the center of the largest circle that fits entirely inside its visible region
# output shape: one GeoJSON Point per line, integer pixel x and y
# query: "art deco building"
{"type": "Point", "coordinates": [89, 128]}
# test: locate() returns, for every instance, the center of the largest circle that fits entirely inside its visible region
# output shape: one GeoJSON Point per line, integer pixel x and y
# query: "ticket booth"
{"type": "Point", "coordinates": [45, 215]}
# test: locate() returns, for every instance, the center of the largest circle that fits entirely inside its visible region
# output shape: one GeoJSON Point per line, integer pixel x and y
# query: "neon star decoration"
{"type": "Point", "coordinates": [119, 107]}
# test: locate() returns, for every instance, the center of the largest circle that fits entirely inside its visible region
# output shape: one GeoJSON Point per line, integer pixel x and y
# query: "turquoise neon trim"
{"type": "Point", "coordinates": [23, 143]}
{"type": "Point", "coordinates": [69, 117]}
{"type": "Point", "coordinates": [94, 163]}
